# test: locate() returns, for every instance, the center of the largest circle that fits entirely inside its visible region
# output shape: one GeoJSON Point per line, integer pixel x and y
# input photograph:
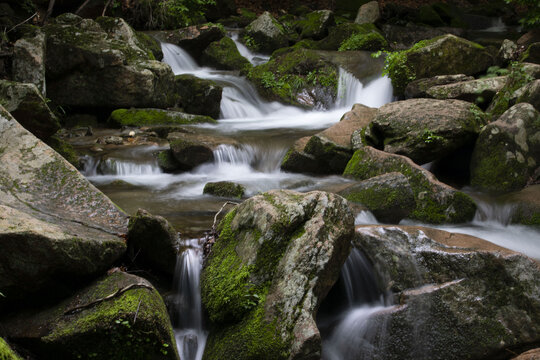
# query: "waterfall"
{"type": "Point", "coordinates": [494, 213]}
{"type": "Point", "coordinates": [124, 168]}
{"type": "Point", "coordinates": [351, 91]}
{"type": "Point", "coordinates": [178, 59]}
{"type": "Point", "coordinates": [189, 330]}
{"type": "Point", "coordinates": [353, 336]}
{"type": "Point", "coordinates": [254, 58]}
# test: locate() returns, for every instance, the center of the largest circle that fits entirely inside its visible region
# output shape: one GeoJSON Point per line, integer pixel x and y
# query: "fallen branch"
{"type": "Point", "coordinates": [108, 297]}
{"type": "Point", "coordinates": [137, 312]}
{"type": "Point", "coordinates": [219, 212]}
{"type": "Point", "coordinates": [25, 21]}
{"type": "Point", "coordinates": [83, 5]}
{"type": "Point", "coordinates": [105, 8]}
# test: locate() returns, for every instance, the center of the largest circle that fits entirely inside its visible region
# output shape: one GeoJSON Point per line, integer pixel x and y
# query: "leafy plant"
{"type": "Point", "coordinates": [395, 67]}
{"type": "Point", "coordinates": [429, 137]}
{"type": "Point", "coordinates": [531, 17]}
{"type": "Point", "coordinates": [251, 43]}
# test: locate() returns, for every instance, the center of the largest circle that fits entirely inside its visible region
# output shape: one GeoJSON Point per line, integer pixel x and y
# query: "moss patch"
{"type": "Point", "coordinates": [144, 117]}
{"type": "Point", "coordinates": [65, 149]}
{"type": "Point", "coordinates": [6, 353]}
{"type": "Point", "coordinates": [371, 41]}
{"type": "Point", "coordinates": [223, 54]}
{"type": "Point", "coordinates": [224, 189]}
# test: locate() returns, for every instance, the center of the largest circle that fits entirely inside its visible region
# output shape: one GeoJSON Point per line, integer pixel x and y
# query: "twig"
{"type": "Point", "coordinates": [19, 24]}
{"type": "Point", "coordinates": [49, 11]}
{"type": "Point", "coordinates": [95, 302]}
{"type": "Point", "coordinates": [105, 8]}
{"type": "Point", "coordinates": [210, 237]}
{"type": "Point", "coordinates": [81, 7]}
{"type": "Point", "coordinates": [219, 212]}
{"type": "Point", "coordinates": [137, 312]}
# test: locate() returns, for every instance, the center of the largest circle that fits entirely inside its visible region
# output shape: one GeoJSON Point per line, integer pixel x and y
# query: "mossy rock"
{"type": "Point", "coordinates": [288, 75]}
{"type": "Point", "coordinates": [532, 54]}
{"type": "Point", "coordinates": [133, 324]}
{"type": "Point", "coordinates": [264, 244]}
{"type": "Point", "coordinates": [145, 117]}
{"type": "Point", "coordinates": [190, 153]}
{"type": "Point", "coordinates": [167, 162]}
{"type": "Point", "coordinates": [435, 202]}
{"type": "Point", "coordinates": [315, 25]}
{"type": "Point", "coordinates": [151, 44]}
{"type": "Point", "coordinates": [340, 33]}
{"type": "Point", "coordinates": [265, 34]}
{"type": "Point", "coordinates": [371, 41]}
{"type": "Point", "coordinates": [65, 149]}
{"type": "Point", "coordinates": [199, 96]}
{"type": "Point", "coordinates": [6, 353]}
{"type": "Point", "coordinates": [224, 189]}
{"type": "Point", "coordinates": [427, 15]}
{"type": "Point", "coordinates": [224, 55]}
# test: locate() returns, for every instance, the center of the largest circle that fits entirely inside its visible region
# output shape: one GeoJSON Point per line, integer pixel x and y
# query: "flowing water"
{"type": "Point", "coordinates": [264, 131]}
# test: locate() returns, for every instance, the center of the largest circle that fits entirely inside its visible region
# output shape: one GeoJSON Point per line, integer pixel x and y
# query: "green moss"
{"type": "Point", "coordinates": [65, 149]}
{"type": "Point", "coordinates": [340, 33]}
{"type": "Point", "coordinates": [144, 117]}
{"type": "Point", "coordinates": [167, 162]}
{"type": "Point", "coordinates": [224, 189]}
{"type": "Point", "coordinates": [312, 25]}
{"type": "Point", "coordinates": [151, 45]}
{"type": "Point", "coordinates": [224, 54]}
{"type": "Point", "coordinates": [371, 41]}
{"type": "Point", "coordinates": [6, 353]}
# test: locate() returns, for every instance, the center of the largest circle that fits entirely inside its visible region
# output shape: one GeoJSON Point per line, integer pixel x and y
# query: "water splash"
{"type": "Point", "coordinates": [352, 91]}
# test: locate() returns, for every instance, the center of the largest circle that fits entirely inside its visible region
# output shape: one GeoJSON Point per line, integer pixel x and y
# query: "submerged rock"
{"type": "Point", "coordinates": [190, 153]}
{"type": "Point", "coordinates": [265, 34]}
{"type": "Point", "coordinates": [425, 129]}
{"type": "Point", "coordinates": [507, 151]}
{"type": "Point", "coordinates": [145, 117]}
{"type": "Point", "coordinates": [55, 227]}
{"type": "Point", "coordinates": [29, 107]}
{"type": "Point", "coordinates": [152, 241]}
{"type": "Point", "coordinates": [456, 296]}
{"type": "Point", "coordinates": [132, 324]}
{"type": "Point", "coordinates": [277, 256]}
{"type": "Point", "coordinates": [389, 196]}
{"type": "Point", "coordinates": [435, 202]}
{"type": "Point", "coordinates": [224, 189]}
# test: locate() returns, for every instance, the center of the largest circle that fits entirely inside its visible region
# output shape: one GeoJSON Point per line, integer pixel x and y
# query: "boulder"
{"type": "Point", "coordinates": [480, 91]}
{"type": "Point", "coordinates": [93, 65]}
{"type": "Point", "coordinates": [315, 25]}
{"type": "Point", "coordinates": [403, 37]}
{"type": "Point", "coordinates": [190, 152]}
{"type": "Point", "coordinates": [27, 105]}
{"type": "Point", "coordinates": [55, 227]}
{"type": "Point", "coordinates": [299, 77]}
{"type": "Point", "coordinates": [443, 55]}
{"type": "Point", "coordinates": [265, 34]}
{"type": "Point", "coordinates": [338, 34]}
{"type": "Point", "coordinates": [132, 324]}
{"type": "Point", "coordinates": [456, 296]}
{"type": "Point", "coordinates": [6, 353]}
{"type": "Point", "coordinates": [199, 96]}
{"type": "Point", "coordinates": [224, 55]}
{"type": "Point", "coordinates": [532, 54]}
{"type": "Point", "coordinates": [224, 189]}
{"type": "Point", "coordinates": [65, 149]}
{"type": "Point", "coordinates": [193, 39]}
{"type": "Point", "coordinates": [329, 151]}
{"type": "Point", "coordinates": [526, 205]}
{"type": "Point", "coordinates": [368, 13]}
{"type": "Point", "coordinates": [435, 202]}
{"type": "Point", "coordinates": [530, 93]}
{"type": "Point", "coordinates": [507, 150]}
{"type": "Point", "coordinates": [425, 129]}
{"type": "Point", "coordinates": [389, 196]}
{"type": "Point", "coordinates": [146, 117]}
{"type": "Point", "coordinates": [28, 64]}
{"type": "Point", "coordinates": [418, 88]}
{"type": "Point", "coordinates": [277, 256]}
{"type": "Point", "coordinates": [167, 162]}
{"type": "Point", "coordinates": [369, 41]}
{"type": "Point", "coordinates": [508, 52]}
{"type": "Point", "coordinates": [533, 354]}
{"type": "Point", "coordinates": [152, 241]}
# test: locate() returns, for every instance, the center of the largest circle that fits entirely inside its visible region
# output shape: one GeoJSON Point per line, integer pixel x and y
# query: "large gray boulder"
{"type": "Point", "coordinates": [455, 296]}
{"type": "Point", "coordinates": [54, 225]}
{"type": "Point", "coordinates": [507, 151]}
{"type": "Point", "coordinates": [103, 65]}
{"type": "Point", "coordinates": [277, 256]}
{"type": "Point", "coordinates": [530, 93]}
{"type": "Point", "coordinates": [266, 34]}
{"type": "Point", "coordinates": [131, 324]}
{"type": "Point", "coordinates": [29, 60]}
{"type": "Point", "coordinates": [316, 24]}
{"type": "Point", "coordinates": [479, 91]}
{"type": "Point", "coordinates": [26, 103]}
{"type": "Point", "coordinates": [436, 202]}
{"type": "Point", "coordinates": [368, 13]}
{"type": "Point", "coordinates": [425, 129]}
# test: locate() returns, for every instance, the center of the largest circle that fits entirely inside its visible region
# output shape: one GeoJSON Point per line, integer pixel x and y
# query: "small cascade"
{"type": "Point", "coordinates": [178, 59]}
{"type": "Point", "coordinates": [189, 327]}
{"type": "Point", "coordinates": [128, 168]}
{"type": "Point", "coordinates": [266, 160]}
{"type": "Point", "coordinates": [497, 25]}
{"type": "Point", "coordinates": [493, 213]}
{"type": "Point", "coordinates": [352, 91]}
{"type": "Point", "coordinates": [365, 217]}
{"type": "Point", "coordinates": [353, 336]}
{"type": "Point", "coordinates": [254, 58]}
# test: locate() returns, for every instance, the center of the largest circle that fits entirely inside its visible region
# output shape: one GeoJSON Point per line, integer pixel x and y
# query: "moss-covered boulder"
{"type": "Point", "coordinates": [131, 324]}
{"type": "Point", "coordinates": [369, 13]}
{"type": "Point", "coordinates": [193, 39]}
{"type": "Point", "coordinates": [338, 34]}
{"type": "Point", "coordinates": [190, 152]}
{"type": "Point", "coordinates": [329, 151]}
{"type": "Point", "coordinates": [28, 64]}
{"type": "Point", "coordinates": [145, 117]}
{"type": "Point", "coordinates": [532, 54]}
{"type": "Point", "coordinates": [300, 77]}
{"type": "Point", "coordinates": [277, 256]}
{"type": "Point", "coordinates": [224, 55]}
{"type": "Point", "coordinates": [443, 55]}
{"type": "Point", "coordinates": [199, 96]}
{"type": "Point", "coordinates": [403, 37]}
{"type": "Point", "coordinates": [457, 296]}
{"type": "Point", "coordinates": [418, 88]}
{"type": "Point", "coordinates": [167, 162]}
{"type": "Point", "coordinates": [55, 227]}
{"type": "Point", "coordinates": [6, 353]}
{"type": "Point", "coordinates": [479, 91]}
{"type": "Point", "coordinates": [425, 129]}
{"type": "Point", "coordinates": [389, 197]}
{"type": "Point", "coordinates": [526, 205]}
{"type": "Point", "coordinates": [152, 241]}
{"type": "Point", "coordinates": [224, 189]}
{"type": "Point", "coordinates": [315, 25]}
{"type": "Point", "coordinates": [103, 64]}
{"type": "Point", "coordinates": [29, 107]}
{"type": "Point", "coordinates": [435, 202]}
{"type": "Point", "coordinates": [370, 41]}
{"type": "Point", "coordinates": [265, 34]}
{"type": "Point", "coordinates": [530, 94]}
{"type": "Point", "coordinates": [65, 149]}
{"type": "Point", "coordinates": [507, 151]}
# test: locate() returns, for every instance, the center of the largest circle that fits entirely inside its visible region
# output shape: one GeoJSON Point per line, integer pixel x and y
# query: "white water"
{"type": "Point", "coordinates": [189, 330]}
{"type": "Point", "coordinates": [254, 58]}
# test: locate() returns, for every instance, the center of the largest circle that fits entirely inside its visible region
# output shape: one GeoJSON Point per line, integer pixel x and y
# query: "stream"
{"type": "Point", "coordinates": [265, 131]}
